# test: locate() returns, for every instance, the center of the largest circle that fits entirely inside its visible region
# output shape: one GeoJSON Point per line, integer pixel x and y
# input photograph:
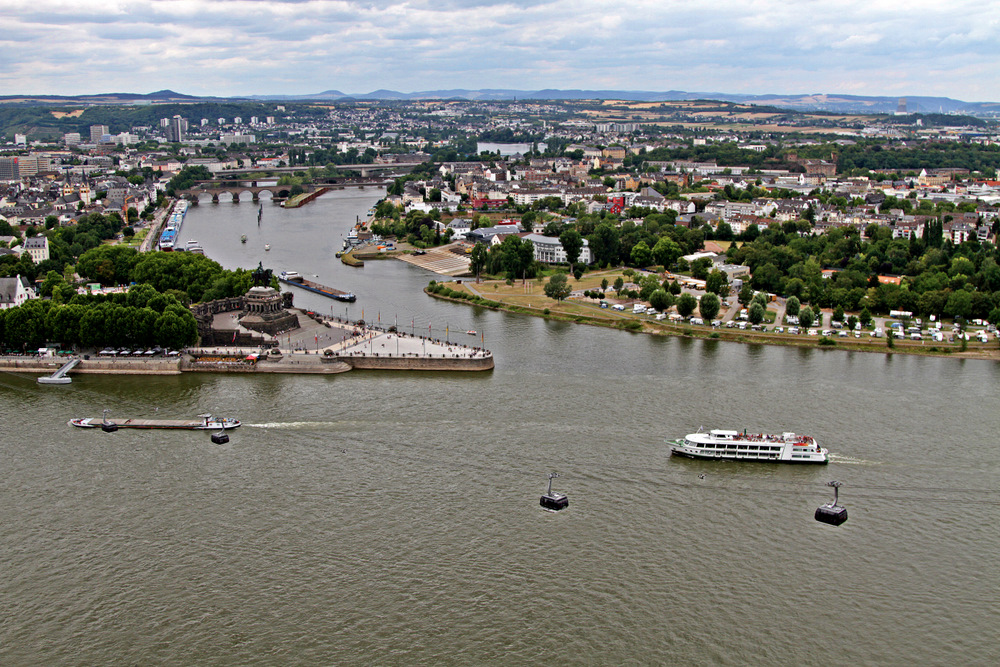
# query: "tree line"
{"type": "Point", "coordinates": [142, 317]}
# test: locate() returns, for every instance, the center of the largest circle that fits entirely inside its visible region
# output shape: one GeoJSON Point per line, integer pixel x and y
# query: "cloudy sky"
{"type": "Point", "coordinates": [241, 47]}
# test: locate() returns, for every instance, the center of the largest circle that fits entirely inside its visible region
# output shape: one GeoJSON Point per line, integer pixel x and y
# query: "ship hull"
{"type": "Point", "coordinates": [169, 424]}
{"type": "Point", "coordinates": [328, 292]}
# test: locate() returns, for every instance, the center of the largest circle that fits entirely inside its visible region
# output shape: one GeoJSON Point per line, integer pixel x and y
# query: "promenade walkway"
{"type": "Point", "coordinates": [440, 260]}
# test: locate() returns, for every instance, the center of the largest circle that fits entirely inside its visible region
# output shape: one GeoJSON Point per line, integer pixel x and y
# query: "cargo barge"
{"type": "Point", "coordinates": [203, 423]}
{"type": "Point", "coordinates": [293, 278]}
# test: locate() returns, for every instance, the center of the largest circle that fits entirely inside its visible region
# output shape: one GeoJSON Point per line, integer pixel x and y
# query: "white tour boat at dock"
{"type": "Point", "coordinates": [719, 444]}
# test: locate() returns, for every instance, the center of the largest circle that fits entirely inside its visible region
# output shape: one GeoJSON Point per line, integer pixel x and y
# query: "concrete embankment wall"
{"type": "Point", "coordinates": [286, 366]}
{"type": "Point", "coordinates": [420, 363]}
{"type": "Point", "coordinates": [101, 366]}
{"type": "Point", "coordinates": [303, 366]}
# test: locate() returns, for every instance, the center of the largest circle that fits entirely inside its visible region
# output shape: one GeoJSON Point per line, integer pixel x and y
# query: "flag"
{"type": "Point", "coordinates": [234, 336]}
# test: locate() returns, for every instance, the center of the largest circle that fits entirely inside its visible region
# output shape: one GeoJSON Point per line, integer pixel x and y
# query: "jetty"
{"type": "Point", "coordinates": [60, 377]}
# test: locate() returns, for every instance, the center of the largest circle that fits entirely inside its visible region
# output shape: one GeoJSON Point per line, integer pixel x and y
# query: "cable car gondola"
{"type": "Point", "coordinates": [553, 501]}
{"type": "Point", "coordinates": [832, 513]}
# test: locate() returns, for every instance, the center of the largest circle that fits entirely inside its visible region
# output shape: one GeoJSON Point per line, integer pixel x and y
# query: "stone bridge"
{"type": "Point", "coordinates": [218, 191]}
{"type": "Point", "coordinates": [235, 192]}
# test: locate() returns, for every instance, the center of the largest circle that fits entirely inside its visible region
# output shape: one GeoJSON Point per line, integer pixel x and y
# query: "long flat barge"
{"type": "Point", "coordinates": [293, 278]}
{"type": "Point", "coordinates": [200, 424]}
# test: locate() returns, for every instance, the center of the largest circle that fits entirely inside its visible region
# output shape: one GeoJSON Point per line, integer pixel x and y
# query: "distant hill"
{"type": "Point", "coordinates": [159, 96]}
{"type": "Point", "coordinates": [799, 102]}
{"type": "Point", "coordinates": [830, 102]}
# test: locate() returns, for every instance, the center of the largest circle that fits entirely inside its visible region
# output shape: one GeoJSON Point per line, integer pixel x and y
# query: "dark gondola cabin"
{"type": "Point", "coordinates": [220, 438]}
{"type": "Point", "coordinates": [108, 427]}
{"type": "Point", "coordinates": [832, 513]}
{"type": "Point", "coordinates": [553, 500]}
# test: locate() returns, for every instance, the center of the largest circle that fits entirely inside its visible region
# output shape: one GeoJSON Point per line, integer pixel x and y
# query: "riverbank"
{"type": "Point", "coordinates": [324, 345]}
{"type": "Point", "coordinates": [489, 295]}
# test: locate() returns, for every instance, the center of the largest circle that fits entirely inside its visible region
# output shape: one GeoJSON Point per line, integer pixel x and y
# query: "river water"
{"type": "Point", "coordinates": [384, 518]}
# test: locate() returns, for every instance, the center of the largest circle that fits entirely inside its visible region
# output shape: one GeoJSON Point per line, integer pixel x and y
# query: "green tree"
{"type": "Point", "coordinates": [716, 282]}
{"type": "Point", "coordinates": [641, 255]}
{"type": "Point", "coordinates": [686, 304]}
{"type": "Point", "coordinates": [806, 317]}
{"type": "Point", "coordinates": [24, 326]}
{"type": "Point", "coordinates": [745, 295]}
{"type": "Point", "coordinates": [756, 313]}
{"type": "Point", "coordinates": [619, 285]}
{"type": "Point", "coordinates": [666, 251]}
{"type": "Point", "coordinates": [792, 306]}
{"type": "Point", "coordinates": [478, 259]}
{"type": "Point", "coordinates": [558, 287]}
{"type": "Point", "coordinates": [700, 267]}
{"type": "Point", "coordinates": [176, 329]}
{"type": "Point", "coordinates": [959, 304]}
{"type": "Point", "coordinates": [865, 317]}
{"type": "Point", "coordinates": [709, 306]}
{"type": "Point", "coordinates": [52, 280]}
{"type": "Point", "coordinates": [660, 300]}
{"type": "Point", "coordinates": [604, 243]}
{"type": "Point", "coordinates": [572, 243]}
{"type": "Point", "coordinates": [994, 316]}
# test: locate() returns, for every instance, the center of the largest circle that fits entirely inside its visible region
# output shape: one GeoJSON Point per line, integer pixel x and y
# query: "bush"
{"type": "Point", "coordinates": [546, 311]}
{"type": "Point", "coordinates": [823, 340]}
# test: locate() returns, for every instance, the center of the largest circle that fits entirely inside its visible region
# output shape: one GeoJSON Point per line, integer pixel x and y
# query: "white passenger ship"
{"type": "Point", "coordinates": [736, 446]}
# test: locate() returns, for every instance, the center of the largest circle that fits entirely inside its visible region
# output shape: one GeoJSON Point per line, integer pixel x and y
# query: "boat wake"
{"type": "Point", "coordinates": [294, 425]}
{"type": "Point", "coordinates": [849, 460]}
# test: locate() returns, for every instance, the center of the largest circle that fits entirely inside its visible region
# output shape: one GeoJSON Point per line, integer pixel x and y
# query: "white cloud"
{"type": "Point", "coordinates": [300, 46]}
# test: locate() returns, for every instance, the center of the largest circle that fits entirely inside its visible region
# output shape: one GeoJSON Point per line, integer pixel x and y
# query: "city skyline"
{"type": "Point", "coordinates": [295, 47]}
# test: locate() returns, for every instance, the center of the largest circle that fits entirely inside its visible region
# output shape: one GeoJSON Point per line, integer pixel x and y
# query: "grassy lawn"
{"type": "Point", "coordinates": [530, 299]}
{"type": "Point", "coordinates": [134, 241]}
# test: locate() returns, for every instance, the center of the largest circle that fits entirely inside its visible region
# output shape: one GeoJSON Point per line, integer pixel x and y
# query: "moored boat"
{"type": "Point", "coordinates": [720, 444]}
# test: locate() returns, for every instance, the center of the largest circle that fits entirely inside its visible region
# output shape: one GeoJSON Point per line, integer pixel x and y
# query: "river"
{"type": "Point", "coordinates": [391, 518]}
